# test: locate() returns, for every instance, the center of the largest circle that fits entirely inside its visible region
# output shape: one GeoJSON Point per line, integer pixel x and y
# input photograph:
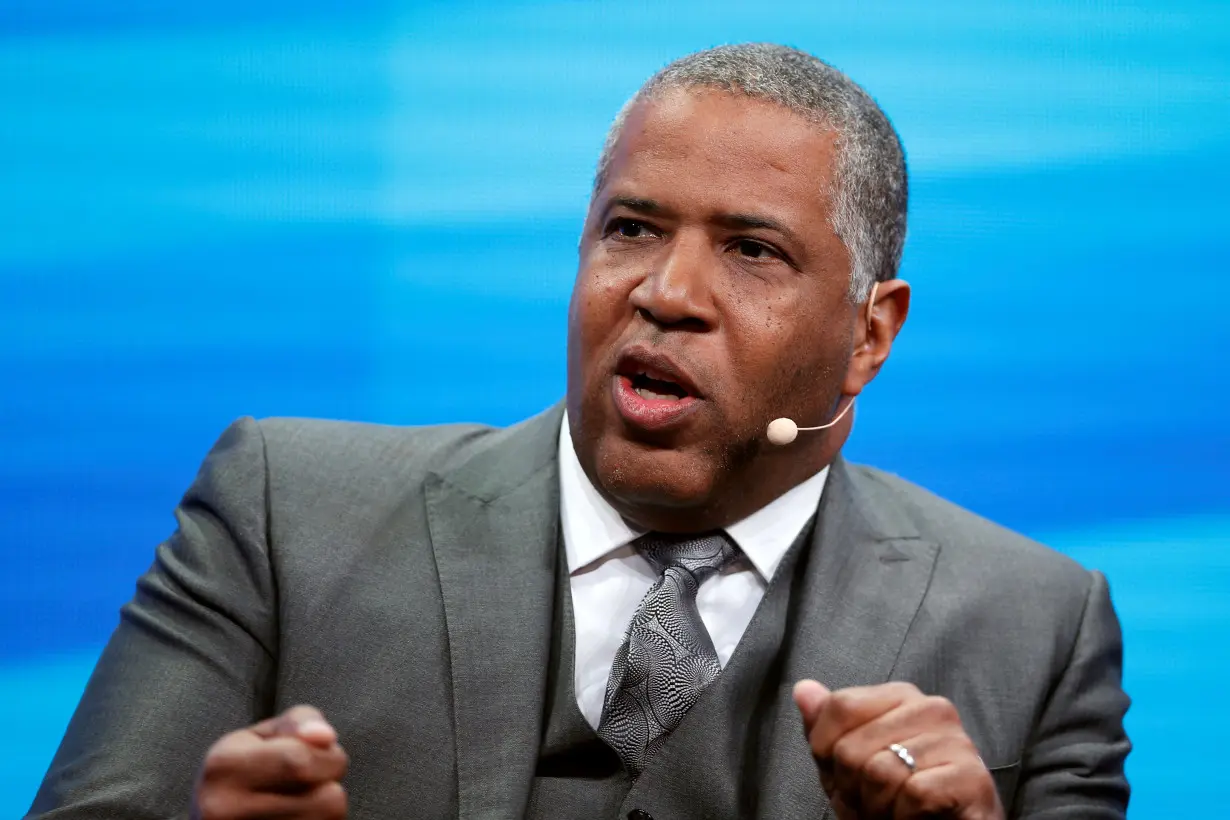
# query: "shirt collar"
{"type": "Point", "coordinates": [592, 528]}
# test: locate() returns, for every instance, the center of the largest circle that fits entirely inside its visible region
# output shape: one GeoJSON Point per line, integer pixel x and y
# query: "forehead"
{"type": "Point", "coordinates": [718, 150]}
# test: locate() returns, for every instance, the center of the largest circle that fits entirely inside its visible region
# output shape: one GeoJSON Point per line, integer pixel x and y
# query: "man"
{"type": "Point", "coordinates": [637, 607]}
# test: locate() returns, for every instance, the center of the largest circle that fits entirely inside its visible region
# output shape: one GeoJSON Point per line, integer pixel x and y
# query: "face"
{"type": "Point", "coordinates": [711, 298]}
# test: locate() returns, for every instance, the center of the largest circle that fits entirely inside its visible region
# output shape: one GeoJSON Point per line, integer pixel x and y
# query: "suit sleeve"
{"type": "Point", "coordinates": [192, 659]}
{"type": "Point", "coordinates": [1073, 767]}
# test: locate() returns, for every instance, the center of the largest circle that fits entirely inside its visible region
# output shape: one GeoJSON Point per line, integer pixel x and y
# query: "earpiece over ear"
{"type": "Point", "coordinates": [871, 303]}
{"type": "Point", "coordinates": [783, 431]}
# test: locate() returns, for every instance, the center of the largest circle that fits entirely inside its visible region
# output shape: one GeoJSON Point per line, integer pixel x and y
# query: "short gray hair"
{"type": "Point", "coordinates": [872, 189]}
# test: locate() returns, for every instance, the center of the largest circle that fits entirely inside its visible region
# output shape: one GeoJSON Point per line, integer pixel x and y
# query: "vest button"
{"type": "Point", "coordinates": [637, 814]}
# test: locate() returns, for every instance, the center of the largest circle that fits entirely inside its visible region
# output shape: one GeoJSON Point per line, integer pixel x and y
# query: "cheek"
{"type": "Point", "coordinates": [761, 331]}
{"type": "Point", "coordinates": [598, 311]}
{"type": "Point", "coordinates": [780, 352]}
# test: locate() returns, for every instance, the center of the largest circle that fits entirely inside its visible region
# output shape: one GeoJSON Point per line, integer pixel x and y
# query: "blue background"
{"type": "Point", "coordinates": [370, 211]}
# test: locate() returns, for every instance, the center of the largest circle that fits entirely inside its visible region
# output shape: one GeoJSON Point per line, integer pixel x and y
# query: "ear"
{"type": "Point", "coordinates": [879, 321]}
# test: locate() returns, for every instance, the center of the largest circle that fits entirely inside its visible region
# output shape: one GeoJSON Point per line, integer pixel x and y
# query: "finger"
{"type": "Point", "coordinates": [285, 764]}
{"type": "Point", "coordinates": [884, 774]}
{"type": "Point", "coordinates": [842, 809]}
{"type": "Point", "coordinates": [854, 751]}
{"type": "Point", "coordinates": [311, 725]}
{"type": "Point", "coordinates": [940, 749]}
{"type": "Point", "coordinates": [324, 802]}
{"type": "Point", "coordinates": [318, 733]}
{"type": "Point", "coordinates": [847, 709]}
{"type": "Point", "coordinates": [291, 769]}
{"type": "Point", "coordinates": [950, 775]}
{"type": "Point", "coordinates": [933, 791]}
{"type": "Point", "coordinates": [810, 696]}
{"type": "Point", "coordinates": [305, 722]}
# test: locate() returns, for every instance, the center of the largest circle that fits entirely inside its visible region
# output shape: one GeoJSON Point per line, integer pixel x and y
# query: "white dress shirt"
{"type": "Point", "coordinates": [609, 578]}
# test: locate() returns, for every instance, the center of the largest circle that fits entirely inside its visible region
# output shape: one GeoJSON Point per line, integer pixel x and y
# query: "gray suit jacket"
{"type": "Point", "coordinates": [401, 579]}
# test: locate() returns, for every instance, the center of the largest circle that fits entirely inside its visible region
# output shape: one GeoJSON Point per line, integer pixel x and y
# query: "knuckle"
{"type": "Point", "coordinates": [331, 801]}
{"type": "Point", "coordinates": [223, 757]}
{"type": "Point", "coordinates": [918, 792]}
{"type": "Point", "coordinates": [967, 752]}
{"type": "Point", "coordinates": [815, 740]}
{"type": "Point", "coordinates": [845, 753]}
{"type": "Point", "coordinates": [214, 804]}
{"type": "Point", "coordinates": [941, 709]}
{"type": "Point", "coordinates": [904, 690]}
{"type": "Point", "coordinates": [288, 722]}
{"type": "Point", "coordinates": [343, 763]}
{"type": "Point", "coordinates": [840, 705]}
{"type": "Point", "coordinates": [301, 711]}
{"type": "Point", "coordinates": [927, 797]}
{"type": "Point", "coordinates": [879, 769]}
{"type": "Point", "coordinates": [295, 762]}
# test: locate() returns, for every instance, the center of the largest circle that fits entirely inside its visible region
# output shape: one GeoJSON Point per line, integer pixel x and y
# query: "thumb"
{"type": "Point", "coordinates": [811, 697]}
{"type": "Point", "coordinates": [308, 724]}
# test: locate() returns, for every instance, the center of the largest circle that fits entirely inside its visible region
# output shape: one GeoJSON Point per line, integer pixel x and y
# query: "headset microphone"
{"type": "Point", "coordinates": [783, 431]}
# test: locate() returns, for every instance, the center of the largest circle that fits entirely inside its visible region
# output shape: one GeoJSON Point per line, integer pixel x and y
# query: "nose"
{"type": "Point", "coordinates": [678, 292]}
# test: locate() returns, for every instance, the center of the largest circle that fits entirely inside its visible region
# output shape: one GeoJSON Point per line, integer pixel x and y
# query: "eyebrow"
{"type": "Point", "coordinates": [750, 221]}
{"type": "Point", "coordinates": [635, 203]}
{"type": "Point", "coordinates": [736, 221]}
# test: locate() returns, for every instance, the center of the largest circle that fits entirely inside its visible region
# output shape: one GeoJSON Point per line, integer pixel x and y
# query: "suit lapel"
{"type": "Point", "coordinates": [862, 585]}
{"type": "Point", "coordinates": [494, 531]}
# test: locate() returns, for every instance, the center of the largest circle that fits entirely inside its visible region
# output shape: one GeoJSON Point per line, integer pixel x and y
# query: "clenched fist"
{"type": "Point", "coordinates": [289, 766]}
{"type": "Point", "coordinates": [890, 751]}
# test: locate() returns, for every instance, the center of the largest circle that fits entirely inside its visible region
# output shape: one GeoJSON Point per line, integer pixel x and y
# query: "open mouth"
{"type": "Point", "coordinates": [656, 389]}
{"type": "Point", "coordinates": [652, 393]}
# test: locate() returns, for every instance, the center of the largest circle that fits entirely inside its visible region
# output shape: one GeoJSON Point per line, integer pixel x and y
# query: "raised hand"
{"type": "Point", "coordinates": [889, 751]}
{"type": "Point", "coordinates": [289, 766]}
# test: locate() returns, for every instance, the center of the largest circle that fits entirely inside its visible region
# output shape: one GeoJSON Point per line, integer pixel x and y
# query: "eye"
{"type": "Point", "coordinates": [624, 228]}
{"type": "Point", "coordinates": [751, 249]}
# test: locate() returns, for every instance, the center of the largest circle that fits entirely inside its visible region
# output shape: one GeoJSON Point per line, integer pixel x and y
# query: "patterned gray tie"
{"type": "Point", "coordinates": [667, 657]}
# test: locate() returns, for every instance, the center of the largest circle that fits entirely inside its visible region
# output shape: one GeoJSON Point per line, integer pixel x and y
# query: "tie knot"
{"type": "Point", "coordinates": [701, 555]}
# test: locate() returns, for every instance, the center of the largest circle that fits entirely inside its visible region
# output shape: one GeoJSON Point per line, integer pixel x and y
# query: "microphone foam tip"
{"type": "Point", "coordinates": [782, 431]}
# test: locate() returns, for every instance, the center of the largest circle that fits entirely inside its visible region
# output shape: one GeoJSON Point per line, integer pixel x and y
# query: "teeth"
{"type": "Point", "coordinates": [645, 393]}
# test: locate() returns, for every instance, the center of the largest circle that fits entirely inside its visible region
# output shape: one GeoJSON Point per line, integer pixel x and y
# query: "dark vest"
{"type": "Point", "coordinates": [709, 767]}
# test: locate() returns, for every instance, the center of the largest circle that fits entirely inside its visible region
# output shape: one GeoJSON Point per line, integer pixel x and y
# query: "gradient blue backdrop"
{"type": "Point", "coordinates": [369, 210]}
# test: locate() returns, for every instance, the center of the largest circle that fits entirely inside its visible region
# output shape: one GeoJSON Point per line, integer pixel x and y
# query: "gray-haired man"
{"type": "Point", "coordinates": [632, 605]}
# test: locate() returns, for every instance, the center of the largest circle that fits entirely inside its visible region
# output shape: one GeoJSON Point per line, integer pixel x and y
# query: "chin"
{"type": "Point", "coordinates": [635, 475]}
